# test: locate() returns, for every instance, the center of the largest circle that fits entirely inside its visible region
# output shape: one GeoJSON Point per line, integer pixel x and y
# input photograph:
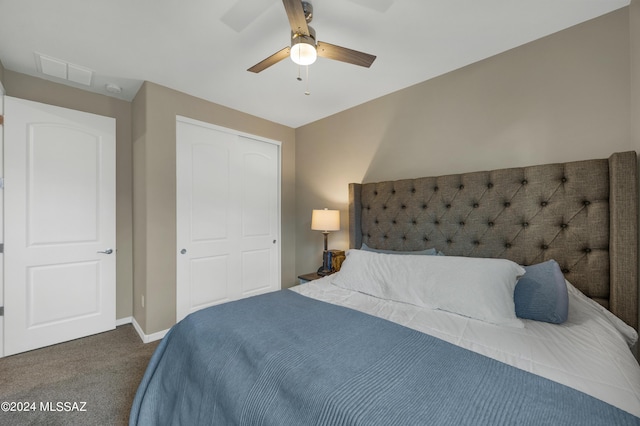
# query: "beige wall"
{"type": "Point", "coordinates": [139, 205]}
{"type": "Point", "coordinates": [150, 139]}
{"type": "Point", "coordinates": [35, 89]}
{"type": "Point", "coordinates": [564, 97]}
{"type": "Point", "coordinates": [634, 24]}
{"type": "Point", "coordinates": [155, 109]}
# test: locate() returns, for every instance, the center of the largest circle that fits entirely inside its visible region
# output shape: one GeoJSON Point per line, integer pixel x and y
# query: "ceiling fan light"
{"type": "Point", "coordinates": [303, 50]}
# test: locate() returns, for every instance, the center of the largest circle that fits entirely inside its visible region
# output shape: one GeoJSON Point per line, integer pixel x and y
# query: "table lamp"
{"type": "Point", "coordinates": [325, 220]}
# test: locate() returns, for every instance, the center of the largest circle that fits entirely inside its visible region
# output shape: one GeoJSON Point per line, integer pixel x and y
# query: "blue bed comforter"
{"type": "Point", "coordinates": [285, 359]}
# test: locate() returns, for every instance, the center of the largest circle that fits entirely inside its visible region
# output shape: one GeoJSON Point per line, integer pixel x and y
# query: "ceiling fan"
{"type": "Point", "coordinates": [304, 47]}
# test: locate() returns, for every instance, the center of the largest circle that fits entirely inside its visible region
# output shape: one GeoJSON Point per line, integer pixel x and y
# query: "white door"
{"type": "Point", "coordinates": [228, 215]}
{"type": "Point", "coordinates": [59, 225]}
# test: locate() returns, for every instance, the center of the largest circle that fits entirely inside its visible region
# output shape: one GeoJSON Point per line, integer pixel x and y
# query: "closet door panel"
{"type": "Point", "coordinates": [228, 216]}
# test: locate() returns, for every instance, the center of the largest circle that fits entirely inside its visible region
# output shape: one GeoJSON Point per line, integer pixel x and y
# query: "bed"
{"type": "Point", "coordinates": [431, 319]}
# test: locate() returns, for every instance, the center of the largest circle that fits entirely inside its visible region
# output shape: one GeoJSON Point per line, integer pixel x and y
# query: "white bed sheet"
{"type": "Point", "coordinates": [589, 352]}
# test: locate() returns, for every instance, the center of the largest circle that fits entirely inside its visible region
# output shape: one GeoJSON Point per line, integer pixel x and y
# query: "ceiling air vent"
{"type": "Point", "coordinates": [61, 69]}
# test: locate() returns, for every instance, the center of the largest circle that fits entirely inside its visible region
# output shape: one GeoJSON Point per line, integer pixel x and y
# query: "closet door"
{"type": "Point", "coordinates": [59, 224]}
{"type": "Point", "coordinates": [228, 216]}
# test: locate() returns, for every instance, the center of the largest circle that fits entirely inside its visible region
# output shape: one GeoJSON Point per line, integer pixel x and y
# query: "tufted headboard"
{"type": "Point", "coordinates": [583, 214]}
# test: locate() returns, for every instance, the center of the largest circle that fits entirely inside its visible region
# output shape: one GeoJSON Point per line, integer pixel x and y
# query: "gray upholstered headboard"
{"type": "Point", "coordinates": [583, 214]}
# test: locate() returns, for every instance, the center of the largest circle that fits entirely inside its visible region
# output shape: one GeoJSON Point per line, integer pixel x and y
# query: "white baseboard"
{"type": "Point", "coordinates": [123, 321]}
{"type": "Point", "coordinates": [1, 337]}
{"type": "Point", "coordinates": [148, 338]}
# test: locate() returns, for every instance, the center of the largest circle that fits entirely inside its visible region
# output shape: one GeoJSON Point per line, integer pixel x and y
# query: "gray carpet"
{"type": "Point", "coordinates": [103, 371]}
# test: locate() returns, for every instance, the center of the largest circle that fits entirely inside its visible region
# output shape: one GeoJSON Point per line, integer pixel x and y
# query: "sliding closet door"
{"type": "Point", "coordinates": [228, 215]}
{"type": "Point", "coordinates": [59, 224]}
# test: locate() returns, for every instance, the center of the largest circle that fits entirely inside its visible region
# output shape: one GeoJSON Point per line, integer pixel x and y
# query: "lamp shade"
{"type": "Point", "coordinates": [325, 220]}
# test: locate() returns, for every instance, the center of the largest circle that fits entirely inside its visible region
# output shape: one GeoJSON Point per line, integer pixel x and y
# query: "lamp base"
{"type": "Point", "coordinates": [325, 269]}
{"type": "Point", "coordinates": [322, 272]}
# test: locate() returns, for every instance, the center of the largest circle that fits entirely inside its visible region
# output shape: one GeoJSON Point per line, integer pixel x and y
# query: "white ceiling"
{"type": "Point", "coordinates": [191, 46]}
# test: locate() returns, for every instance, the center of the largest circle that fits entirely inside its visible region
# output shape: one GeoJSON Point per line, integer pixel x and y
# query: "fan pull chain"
{"type": "Point", "coordinates": [299, 78]}
{"type": "Point", "coordinates": [307, 92]}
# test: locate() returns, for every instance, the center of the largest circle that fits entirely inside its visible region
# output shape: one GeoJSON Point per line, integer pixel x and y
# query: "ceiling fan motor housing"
{"type": "Point", "coordinates": [303, 47]}
{"type": "Point", "coordinates": [301, 38]}
{"type": "Point", "coordinates": [308, 11]}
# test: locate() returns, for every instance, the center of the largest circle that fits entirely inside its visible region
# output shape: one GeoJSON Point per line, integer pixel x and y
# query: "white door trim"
{"type": "Point", "coordinates": [2, 93]}
{"type": "Point", "coordinates": [226, 130]}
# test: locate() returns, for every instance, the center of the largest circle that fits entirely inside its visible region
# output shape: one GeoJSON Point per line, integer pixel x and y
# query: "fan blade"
{"type": "Point", "coordinates": [271, 60]}
{"type": "Point", "coordinates": [338, 53]}
{"type": "Point", "coordinates": [295, 13]}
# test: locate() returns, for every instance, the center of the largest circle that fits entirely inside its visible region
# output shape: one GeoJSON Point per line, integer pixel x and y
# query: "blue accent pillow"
{"type": "Point", "coordinates": [428, 252]}
{"type": "Point", "coordinates": [541, 294]}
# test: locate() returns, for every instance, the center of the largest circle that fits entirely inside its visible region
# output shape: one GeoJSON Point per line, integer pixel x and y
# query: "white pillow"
{"type": "Point", "coordinates": [580, 302]}
{"type": "Point", "coordinates": [473, 287]}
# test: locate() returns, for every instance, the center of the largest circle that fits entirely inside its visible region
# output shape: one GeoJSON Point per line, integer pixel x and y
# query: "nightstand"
{"type": "Point", "coordinates": [308, 277]}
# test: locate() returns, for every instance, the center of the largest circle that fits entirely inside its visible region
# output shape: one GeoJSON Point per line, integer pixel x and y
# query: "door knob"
{"type": "Point", "coordinates": [107, 251]}
{"type": "Point", "coordinates": [183, 251]}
